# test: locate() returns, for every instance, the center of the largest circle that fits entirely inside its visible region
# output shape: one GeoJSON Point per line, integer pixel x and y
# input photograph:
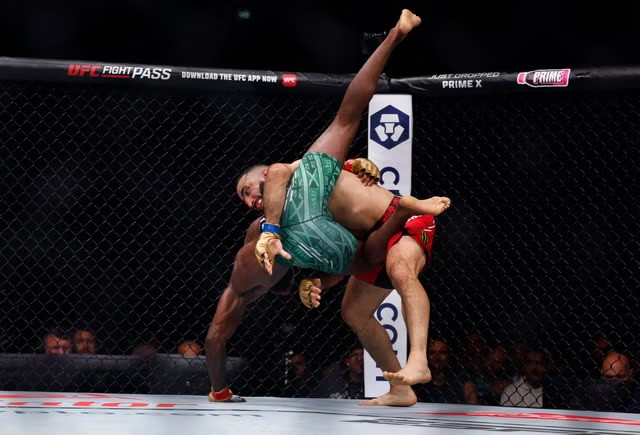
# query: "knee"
{"type": "Point", "coordinates": [404, 262]}
{"type": "Point", "coordinates": [400, 272]}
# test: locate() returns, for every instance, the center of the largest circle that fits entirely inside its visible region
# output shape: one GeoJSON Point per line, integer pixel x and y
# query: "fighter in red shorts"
{"type": "Point", "coordinates": [421, 229]}
{"type": "Point", "coordinates": [409, 252]}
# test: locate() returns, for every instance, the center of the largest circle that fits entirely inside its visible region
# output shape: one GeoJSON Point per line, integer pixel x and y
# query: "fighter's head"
{"type": "Point", "coordinates": [250, 186]}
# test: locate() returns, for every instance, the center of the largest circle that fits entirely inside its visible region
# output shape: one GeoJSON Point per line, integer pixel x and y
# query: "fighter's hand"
{"type": "Point", "coordinates": [309, 291]}
{"type": "Point", "coordinates": [365, 169]}
{"type": "Point", "coordinates": [275, 247]}
{"type": "Point", "coordinates": [267, 247]}
{"type": "Point", "coordinates": [263, 250]}
{"type": "Point", "coordinates": [367, 179]}
{"type": "Point", "coordinates": [224, 395]}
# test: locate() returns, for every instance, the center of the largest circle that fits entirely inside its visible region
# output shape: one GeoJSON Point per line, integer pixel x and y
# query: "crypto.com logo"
{"type": "Point", "coordinates": [389, 127]}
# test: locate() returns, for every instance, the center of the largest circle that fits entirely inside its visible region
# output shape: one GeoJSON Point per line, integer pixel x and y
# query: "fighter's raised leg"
{"type": "Point", "coordinates": [338, 137]}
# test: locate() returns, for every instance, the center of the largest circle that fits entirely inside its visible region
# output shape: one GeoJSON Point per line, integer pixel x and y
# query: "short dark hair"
{"type": "Point", "coordinates": [89, 330]}
{"type": "Point", "coordinates": [250, 169]}
{"type": "Point", "coordinates": [537, 349]}
{"type": "Point", "coordinates": [355, 347]}
{"type": "Point", "coordinates": [56, 333]}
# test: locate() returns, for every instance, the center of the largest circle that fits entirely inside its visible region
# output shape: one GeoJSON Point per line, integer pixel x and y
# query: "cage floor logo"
{"type": "Point", "coordinates": [389, 127]}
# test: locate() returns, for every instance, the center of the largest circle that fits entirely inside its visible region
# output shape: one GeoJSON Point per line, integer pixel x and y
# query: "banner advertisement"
{"type": "Point", "coordinates": [390, 148]}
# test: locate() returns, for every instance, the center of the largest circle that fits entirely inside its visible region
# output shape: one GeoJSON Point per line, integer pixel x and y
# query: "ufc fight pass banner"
{"type": "Point", "coordinates": [390, 148]}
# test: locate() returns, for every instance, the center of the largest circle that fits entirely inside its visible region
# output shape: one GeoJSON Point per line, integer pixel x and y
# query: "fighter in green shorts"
{"type": "Point", "coordinates": [294, 197]}
{"type": "Point", "coordinates": [268, 188]}
{"type": "Point", "coordinates": [308, 231]}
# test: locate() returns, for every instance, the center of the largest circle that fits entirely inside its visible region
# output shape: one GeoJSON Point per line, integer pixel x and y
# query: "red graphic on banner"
{"type": "Point", "coordinates": [118, 72]}
{"type": "Point", "coordinates": [289, 80]}
{"type": "Point", "coordinates": [76, 70]}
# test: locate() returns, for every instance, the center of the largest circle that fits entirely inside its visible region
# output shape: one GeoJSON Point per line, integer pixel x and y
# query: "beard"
{"type": "Point", "coordinates": [262, 188]}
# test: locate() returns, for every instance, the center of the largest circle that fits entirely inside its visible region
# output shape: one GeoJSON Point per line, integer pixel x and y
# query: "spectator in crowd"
{"type": "Point", "coordinates": [517, 356]}
{"type": "Point", "coordinates": [491, 377]}
{"type": "Point", "coordinates": [55, 342]}
{"type": "Point", "coordinates": [527, 390]}
{"type": "Point", "coordinates": [614, 390]}
{"type": "Point", "coordinates": [600, 346]}
{"type": "Point", "coordinates": [473, 355]}
{"type": "Point", "coordinates": [189, 348]}
{"type": "Point", "coordinates": [345, 380]}
{"type": "Point", "coordinates": [145, 350]}
{"type": "Point", "coordinates": [562, 382]}
{"type": "Point", "coordinates": [84, 342]}
{"type": "Point", "coordinates": [617, 367]}
{"type": "Point", "coordinates": [447, 385]}
{"type": "Point", "coordinates": [299, 380]}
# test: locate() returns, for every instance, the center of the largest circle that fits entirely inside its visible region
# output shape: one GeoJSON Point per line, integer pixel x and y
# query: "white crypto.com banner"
{"type": "Point", "coordinates": [390, 140]}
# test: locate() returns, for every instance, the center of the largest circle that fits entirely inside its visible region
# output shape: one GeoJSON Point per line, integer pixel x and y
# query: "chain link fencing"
{"type": "Point", "coordinates": [119, 216]}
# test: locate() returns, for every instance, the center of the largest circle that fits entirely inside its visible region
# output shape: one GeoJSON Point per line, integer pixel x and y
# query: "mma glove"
{"type": "Point", "coordinates": [356, 166]}
{"type": "Point", "coordinates": [304, 290]}
{"type": "Point", "coordinates": [269, 232]}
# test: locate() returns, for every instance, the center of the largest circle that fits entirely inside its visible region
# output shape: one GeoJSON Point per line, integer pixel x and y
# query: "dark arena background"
{"type": "Point", "coordinates": [120, 216]}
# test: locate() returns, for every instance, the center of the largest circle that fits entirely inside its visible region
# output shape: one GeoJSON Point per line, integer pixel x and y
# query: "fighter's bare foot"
{"type": "Point", "coordinates": [398, 395]}
{"type": "Point", "coordinates": [433, 206]}
{"type": "Point", "coordinates": [407, 22]}
{"type": "Point", "coordinates": [409, 375]}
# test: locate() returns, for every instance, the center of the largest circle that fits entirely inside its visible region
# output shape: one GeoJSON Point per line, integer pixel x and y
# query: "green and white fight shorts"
{"type": "Point", "coordinates": [309, 232]}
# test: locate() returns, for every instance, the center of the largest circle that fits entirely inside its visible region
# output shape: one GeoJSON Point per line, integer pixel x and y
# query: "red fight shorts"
{"type": "Point", "coordinates": [422, 229]}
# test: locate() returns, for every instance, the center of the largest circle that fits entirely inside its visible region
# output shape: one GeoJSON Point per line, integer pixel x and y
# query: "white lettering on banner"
{"type": "Point", "coordinates": [116, 70]}
{"type": "Point", "coordinates": [464, 75]}
{"type": "Point", "coordinates": [548, 76]}
{"type": "Point", "coordinates": [199, 75]}
{"type": "Point", "coordinates": [390, 148]}
{"type": "Point", "coordinates": [457, 84]}
{"type": "Point", "coordinates": [228, 77]}
{"type": "Point", "coordinates": [151, 73]}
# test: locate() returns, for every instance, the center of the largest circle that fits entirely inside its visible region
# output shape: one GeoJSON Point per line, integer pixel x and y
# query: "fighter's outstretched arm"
{"type": "Point", "coordinates": [248, 283]}
{"type": "Point", "coordinates": [229, 313]}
